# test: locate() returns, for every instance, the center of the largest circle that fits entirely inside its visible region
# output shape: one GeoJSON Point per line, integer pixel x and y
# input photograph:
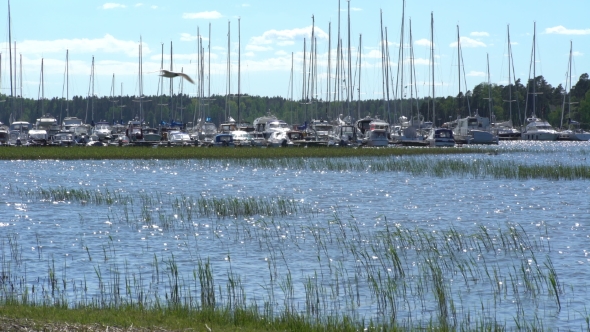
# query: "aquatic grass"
{"type": "Point", "coordinates": [139, 153]}
{"type": "Point", "coordinates": [389, 277]}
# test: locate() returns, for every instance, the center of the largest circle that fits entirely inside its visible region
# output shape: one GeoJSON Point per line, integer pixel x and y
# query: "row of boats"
{"type": "Point", "coordinates": [271, 131]}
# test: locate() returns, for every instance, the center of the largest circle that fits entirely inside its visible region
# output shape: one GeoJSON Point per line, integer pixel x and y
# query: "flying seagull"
{"type": "Point", "coordinates": [172, 74]}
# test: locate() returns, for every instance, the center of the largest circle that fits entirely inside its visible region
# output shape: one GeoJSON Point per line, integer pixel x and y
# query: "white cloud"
{"type": "Point", "coordinates": [286, 43]}
{"type": "Point", "coordinates": [422, 42]}
{"type": "Point", "coordinates": [258, 48]}
{"type": "Point", "coordinates": [468, 42]}
{"type": "Point", "coordinates": [373, 54]}
{"type": "Point", "coordinates": [154, 7]}
{"type": "Point", "coordinates": [479, 34]}
{"type": "Point", "coordinates": [281, 53]}
{"type": "Point", "coordinates": [245, 5]}
{"type": "Point", "coordinates": [202, 15]}
{"type": "Point", "coordinates": [355, 9]}
{"type": "Point", "coordinates": [249, 54]}
{"type": "Point", "coordinates": [188, 37]}
{"type": "Point", "coordinates": [139, 4]}
{"type": "Point", "coordinates": [576, 53]}
{"type": "Point", "coordinates": [420, 61]}
{"type": "Point", "coordinates": [561, 30]}
{"type": "Point", "coordinates": [107, 44]}
{"type": "Point", "coordinates": [287, 37]}
{"type": "Point", "coordinates": [474, 73]}
{"type": "Point", "coordinates": [111, 5]}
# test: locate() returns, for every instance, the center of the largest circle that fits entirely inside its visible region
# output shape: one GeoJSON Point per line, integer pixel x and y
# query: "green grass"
{"type": "Point", "coordinates": [170, 319]}
{"type": "Point", "coordinates": [110, 152]}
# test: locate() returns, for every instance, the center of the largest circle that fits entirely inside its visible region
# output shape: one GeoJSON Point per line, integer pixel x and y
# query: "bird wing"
{"type": "Point", "coordinates": [186, 77]}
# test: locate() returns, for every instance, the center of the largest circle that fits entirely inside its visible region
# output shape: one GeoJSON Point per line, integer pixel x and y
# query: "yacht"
{"type": "Point", "coordinates": [539, 130]}
{"type": "Point", "coordinates": [474, 130]}
{"type": "Point", "coordinates": [19, 133]}
{"type": "Point", "coordinates": [103, 130]}
{"type": "Point", "coordinates": [49, 124]}
{"type": "Point", "coordinates": [440, 137]}
{"type": "Point", "coordinates": [377, 134]}
{"type": "Point", "coordinates": [3, 134]}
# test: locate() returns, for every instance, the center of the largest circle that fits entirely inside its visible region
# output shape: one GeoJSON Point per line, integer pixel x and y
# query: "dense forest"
{"type": "Point", "coordinates": [514, 101]}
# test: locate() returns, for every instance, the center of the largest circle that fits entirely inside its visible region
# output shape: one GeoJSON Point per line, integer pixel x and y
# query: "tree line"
{"type": "Point", "coordinates": [505, 102]}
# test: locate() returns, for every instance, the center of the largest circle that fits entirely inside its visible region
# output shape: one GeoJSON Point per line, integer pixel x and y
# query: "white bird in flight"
{"type": "Point", "coordinates": [172, 74]}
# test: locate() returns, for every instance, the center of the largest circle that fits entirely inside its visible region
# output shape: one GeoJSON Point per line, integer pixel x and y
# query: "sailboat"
{"type": "Point", "coordinates": [473, 129]}
{"type": "Point", "coordinates": [536, 128]}
{"type": "Point", "coordinates": [574, 132]}
{"type": "Point", "coordinates": [505, 129]}
{"type": "Point", "coordinates": [437, 137]}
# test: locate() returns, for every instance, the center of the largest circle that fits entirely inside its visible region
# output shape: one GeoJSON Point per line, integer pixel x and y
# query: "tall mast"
{"type": "Point", "coordinates": [432, 65]}
{"type": "Point", "coordinates": [227, 110]}
{"type": "Point", "coordinates": [534, 68]}
{"type": "Point", "coordinates": [209, 72]}
{"type": "Point", "coordinates": [239, 80]}
{"type": "Point", "coordinates": [383, 78]}
{"type": "Point", "coordinates": [67, 82]}
{"type": "Point", "coordinates": [458, 70]}
{"type": "Point", "coordinates": [291, 87]}
{"type": "Point", "coordinates": [337, 80]}
{"type": "Point", "coordinates": [329, 58]}
{"type": "Point", "coordinates": [360, 66]}
{"type": "Point", "coordinates": [10, 53]}
{"type": "Point", "coordinates": [509, 73]}
{"type": "Point", "coordinates": [349, 80]}
{"type": "Point", "coordinates": [489, 88]}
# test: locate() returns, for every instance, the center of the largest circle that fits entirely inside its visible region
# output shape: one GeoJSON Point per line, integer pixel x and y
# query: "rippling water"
{"type": "Point", "coordinates": [330, 256]}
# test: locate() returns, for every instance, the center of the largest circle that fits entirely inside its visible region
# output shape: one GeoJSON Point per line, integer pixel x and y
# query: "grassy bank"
{"type": "Point", "coordinates": [73, 153]}
{"type": "Point", "coordinates": [137, 318]}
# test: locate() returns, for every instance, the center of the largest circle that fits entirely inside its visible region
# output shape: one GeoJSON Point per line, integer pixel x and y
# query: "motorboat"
{"type": "Point", "coordinates": [321, 132]}
{"type": "Point", "coordinates": [441, 137]}
{"type": "Point", "coordinates": [103, 130]}
{"type": "Point", "coordinates": [539, 130]}
{"type": "Point", "coordinates": [49, 124]}
{"type": "Point", "coordinates": [178, 138]}
{"type": "Point", "coordinates": [3, 134]}
{"type": "Point", "coordinates": [63, 139]}
{"type": "Point", "coordinates": [264, 126]}
{"type": "Point", "coordinates": [506, 131]}
{"type": "Point", "coordinates": [241, 138]}
{"type": "Point", "coordinates": [346, 134]}
{"type": "Point", "coordinates": [573, 133]}
{"type": "Point", "coordinates": [38, 137]}
{"type": "Point", "coordinates": [19, 133]}
{"type": "Point", "coordinates": [278, 138]}
{"type": "Point", "coordinates": [474, 130]}
{"type": "Point", "coordinates": [93, 140]}
{"type": "Point", "coordinates": [223, 140]}
{"type": "Point", "coordinates": [377, 134]}
{"type": "Point", "coordinates": [70, 123]}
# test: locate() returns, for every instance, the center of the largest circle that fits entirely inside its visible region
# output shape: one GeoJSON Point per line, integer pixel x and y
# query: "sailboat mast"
{"type": "Point", "coordinates": [10, 53]}
{"type": "Point", "coordinates": [459, 70]}
{"type": "Point", "coordinates": [360, 66]}
{"type": "Point", "coordinates": [67, 82]}
{"type": "Point", "coordinates": [328, 77]}
{"type": "Point", "coordinates": [534, 66]}
{"type": "Point", "coordinates": [227, 110]}
{"type": "Point", "coordinates": [509, 74]}
{"type": "Point", "coordinates": [42, 89]}
{"type": "Point", "coordinates": [489, 89]}
{"type": "Point", "coordinates": [383, 70]}
{"type": "Point", "coordinates": [432, 66]}
{"type": "Point", "coordinates": [349, 90]}
{"type": "Point", "coordinates": [239, 70]}
{"type": "Point", "coordinates": [569, 98]}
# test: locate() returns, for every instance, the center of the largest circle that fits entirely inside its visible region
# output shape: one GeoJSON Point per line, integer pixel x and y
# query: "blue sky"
{"type": "Point", "coordinates": [271, 31]}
